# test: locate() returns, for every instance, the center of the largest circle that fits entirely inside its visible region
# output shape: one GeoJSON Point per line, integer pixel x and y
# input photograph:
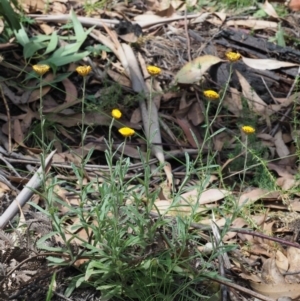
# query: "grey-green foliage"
{"type": "Point", "coordinates": [130, 255]}
{"type": "Point", "coordinates": [46, 48]}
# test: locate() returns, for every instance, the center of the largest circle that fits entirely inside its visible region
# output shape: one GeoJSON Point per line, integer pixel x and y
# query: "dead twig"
{"type": "Point", "coordinates": [187, 36]}
{"type": "Point", "coordinates": [8, 118]}
{"type": "Point", "coordinates": [25, 194]}
{"type": "Point", "coordinates": [241, 289]}
{"type": "Point", "coordinates": [288, 111]}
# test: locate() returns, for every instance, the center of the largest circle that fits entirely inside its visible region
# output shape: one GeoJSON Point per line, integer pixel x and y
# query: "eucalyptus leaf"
{"type": "Point", "coordinates": [193, 71]}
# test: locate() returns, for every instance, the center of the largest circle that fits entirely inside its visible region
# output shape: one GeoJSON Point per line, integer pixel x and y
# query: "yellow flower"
{"type": "Point", "coordinates": [84, 70]}
{"type": "Point", "coordinates": [116, 113]}
{"type": "Point", "coordinates": [248, 130]}
{"type": "Point", "coordinates": [211, 94]}
{"type": "Point", "coordinates": [40, 69]}
{"type": "Point", "coordinates": [126, 132]}
{"type": "Point", "coordinates": [153, 70]}
{"type": "Point", "coordinates": [233, 56]}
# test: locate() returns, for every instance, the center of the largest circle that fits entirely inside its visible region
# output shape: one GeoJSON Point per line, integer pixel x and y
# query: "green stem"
{"type": "Point", "coordinates": [82, 120]}
{"type": "Point", "coordinates": [41, 115]}
{"type": "Point", "coordinates": [43, 155]}
{"type": "Point", "coordinates": [245, 163]}
{"type": "Point", "coordinates": [149, 111]}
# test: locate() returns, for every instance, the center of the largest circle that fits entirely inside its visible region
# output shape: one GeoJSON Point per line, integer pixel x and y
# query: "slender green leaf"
{"type": "Point", "coordinates": [67, 50]}
{"type": "Point", "coordinates": [53, 43]}
{"type": "Point", "coordinates": [21, 36]}
{"type": "Point", "coordinates": [51, 288]}
{"type": "Point", "coordinates": [31, 48]}
{"type": "Point", "coordinates": [40, 38]}
{"type": "Point", "coordinates": [10, 15]}
{"type": "Point", "coordinates": [56, 259]}
{"type": "Point", "coordinates": [78, 29]}
{"type": "Point", "coordinates": [61, 61]}
{"type": "Point", "coordinates": [60, 77]}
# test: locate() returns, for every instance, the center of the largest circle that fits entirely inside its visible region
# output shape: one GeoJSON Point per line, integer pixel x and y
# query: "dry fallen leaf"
{"type": "Point", "coordinates": [256, 194]}
{"type": "Point", "coordinates": [18, 134]}
{"type": "Point", "coordinates": [253, 24]}
{"type": "Point", "coordinates": [190, 132]}
{"type": "Point", "coordinates": [270, 274]}
{"type": "Point", "coordinates": [195, 114]}
{"type": "Point", "coordinates": [281, 148]}
{"type": "Point", "coordinates": [278, 290]}
{"type": "Point", "coordinates": [233, 102]}
{"type": "Point", "coordinates": [33, 6]}
{"type": "Point", "coordinates": [193, 71]}
{"type": "Point", "coordinates": [267, 64]}
{"type": "Point", "coordinates": [208, 196]}
{"type": "Point", "coordinates": [70, 89]}
{"type": "Point", "coordinates": [293, 255]}
{"type": "Point", "coordinates": [269, 9]}
{"type": "Point", "coordinates": [255, 103]}
{"type": "Point", "coordinates": [46, 28]}
{"type": "Point", "coordinates": [282, 262]}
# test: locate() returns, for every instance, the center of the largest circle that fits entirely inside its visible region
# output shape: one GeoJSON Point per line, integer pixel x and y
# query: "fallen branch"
{"type": "Point", "coordinates": [25, 194]}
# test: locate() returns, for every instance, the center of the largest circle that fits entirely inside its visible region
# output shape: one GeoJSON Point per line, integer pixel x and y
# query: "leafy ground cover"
{"type": "Point", "coordinates": [149, 151]}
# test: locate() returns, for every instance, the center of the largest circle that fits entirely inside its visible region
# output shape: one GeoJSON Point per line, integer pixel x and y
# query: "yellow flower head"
{"type": "Point", "coordinates": [126, 132]}
{"type": "Point", "coordinates": [116, 113]}
{"type": "Point", "coordinates": [211, 94]}
{"type": "Point", "coordinates": [40, 69]}
{"type": "Point", "coordinates": [248, 130]}
{"type": "Point", "coordinates": [153, 70]}
{"type": "Point", "coordinates": [233, 56]}
{"type": "Point", "coordinates": [84, 70]}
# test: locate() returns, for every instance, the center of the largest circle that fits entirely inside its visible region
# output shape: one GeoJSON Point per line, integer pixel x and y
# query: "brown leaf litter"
{"type": "Point", "coordinates": [190, 49]}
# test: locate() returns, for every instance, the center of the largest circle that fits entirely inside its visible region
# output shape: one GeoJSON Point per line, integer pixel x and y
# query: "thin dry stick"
{"type": "Point", "coordinates": [9, 166]}
{"type": "Point", "coordinates": [8, 119]}
{"type": "Point", "coordinates": [99, 23]}
{"type": "Point", "coordinates": [242, 231]}
{"type": "Point", "coordinates": [261, 235]}
{"type": "Point", "coordinates": [269, 91]}
{"type": "Point", "coordinates": [287, 112]}
{"type": "Point", "coordinates": [241, 289]}
{"type": "Point", "coordinates": [187, 36]}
